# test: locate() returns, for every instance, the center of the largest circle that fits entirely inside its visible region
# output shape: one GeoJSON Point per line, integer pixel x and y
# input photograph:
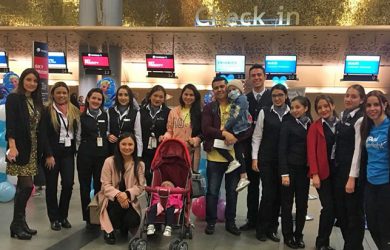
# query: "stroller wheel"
{"type": "Point", "coordinates": [188, 232]}
{"type": "Point", "coordinates": [182, 246]}
{"type": "Point", "coordinates": [140, 244]}
{"type": "Point", "coordinates": [174, 243]}
{"type": "Point", "coordinates": [132, 243]}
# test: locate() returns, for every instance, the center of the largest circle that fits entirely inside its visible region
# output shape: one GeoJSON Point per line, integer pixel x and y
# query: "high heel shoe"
{"type": "Point", "coordinates": [20, 234]}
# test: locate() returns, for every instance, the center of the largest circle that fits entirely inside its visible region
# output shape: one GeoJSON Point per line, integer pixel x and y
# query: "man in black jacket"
{"type": "Point", "coordinates": [258, 98]}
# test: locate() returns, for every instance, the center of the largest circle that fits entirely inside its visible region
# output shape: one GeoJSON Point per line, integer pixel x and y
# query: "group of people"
{"type": "Point", "coordinates": [346, 157]}
{"type": "Point", "coordinates": [261, 135]}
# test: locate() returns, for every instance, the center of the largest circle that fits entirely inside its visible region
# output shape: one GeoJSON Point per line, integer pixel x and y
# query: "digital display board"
{"type": "Point", "coordinates": [230, 64]}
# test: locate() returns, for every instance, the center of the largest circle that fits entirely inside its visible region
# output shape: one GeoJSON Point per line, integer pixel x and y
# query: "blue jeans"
{"type": "Point", "coordinates": [215, 173]}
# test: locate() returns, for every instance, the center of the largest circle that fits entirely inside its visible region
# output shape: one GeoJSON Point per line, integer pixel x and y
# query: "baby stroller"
{"type": "Point", "coordinates": [171, 162]}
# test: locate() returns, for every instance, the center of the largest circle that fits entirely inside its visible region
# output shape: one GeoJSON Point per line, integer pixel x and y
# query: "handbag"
{"type": "Point", "coordinates": [94, 210]}
{"type": "Point", "coordinates": [198, 186]}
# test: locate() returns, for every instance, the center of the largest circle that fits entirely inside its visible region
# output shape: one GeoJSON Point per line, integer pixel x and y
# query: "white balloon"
{"type": "Point", "coordinates": [12, 179]}
{"type": "Point", "coordinates": [2, 112]}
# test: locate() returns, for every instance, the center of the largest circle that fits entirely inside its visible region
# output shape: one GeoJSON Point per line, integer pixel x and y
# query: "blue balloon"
{"type": "Point", "coordinates": [3, 177]}
{"type": "Point", "coordinates": [92, 194]}
{"type": "Point", "coordinates": [3, 143]}
{"type": "Point", "coordinates": [7, 191]}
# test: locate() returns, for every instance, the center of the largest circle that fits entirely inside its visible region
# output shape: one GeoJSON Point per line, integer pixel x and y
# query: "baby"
{"type": "Point", "coordinates": [174, 203]}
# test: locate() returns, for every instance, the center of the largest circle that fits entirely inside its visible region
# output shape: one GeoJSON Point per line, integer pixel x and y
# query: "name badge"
{"type": "Point", "coordinates": [99, 141]}
{"type": "Point", "coordinates": [152, 142]}
{"type": "Point", "coordinates": [126, 120]}
{"type": "Point", "coordinates": [68, 142]}
{"type": "Point", "coordinates": [101, 121]}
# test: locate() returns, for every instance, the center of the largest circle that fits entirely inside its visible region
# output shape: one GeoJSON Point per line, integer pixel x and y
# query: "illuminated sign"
{"type": "Point", "coordinates": [255, 18]}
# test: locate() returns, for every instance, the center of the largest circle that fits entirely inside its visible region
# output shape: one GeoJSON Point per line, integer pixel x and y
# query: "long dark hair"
{"type": "Point", "coordinates": [195, 111]}
{"type": "Point", "coordinates": [304, 101]}
{"type": "Point", "coordinates": [129, 93]}
{"type": "Point", "coordinates": [118, 158]}
{"type": "Point", "coordinates": [37, 94]}
{"type": "Point", "coordinates": [367, 123]}
{"type": "Point", "coordinates": [326, 98]}
{"type": "Point", "coordinates": [94, 90]}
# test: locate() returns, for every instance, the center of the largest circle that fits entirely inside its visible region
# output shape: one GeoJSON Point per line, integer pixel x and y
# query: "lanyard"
{"type": "Point", "coordinates": [65, 125]}
{"type": "Point", "coordinates": [98, 126]}
{"type": "Point", "coordinates": [121, 123]}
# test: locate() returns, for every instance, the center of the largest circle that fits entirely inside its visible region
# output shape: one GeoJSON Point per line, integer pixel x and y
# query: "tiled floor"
{"type": "Point", "coordinates": [78, 238]}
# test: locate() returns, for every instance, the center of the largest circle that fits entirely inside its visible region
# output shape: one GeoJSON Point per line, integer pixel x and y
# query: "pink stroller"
{"type": "Point", "coordinates": [171, 162]}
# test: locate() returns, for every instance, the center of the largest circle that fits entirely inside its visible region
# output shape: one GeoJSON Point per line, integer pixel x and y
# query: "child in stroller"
{"type": "Point", "coordinates": [173, 204]}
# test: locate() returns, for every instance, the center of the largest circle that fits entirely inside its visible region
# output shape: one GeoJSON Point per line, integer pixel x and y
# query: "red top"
{"type": "Point", "coordinates": [317, 156]}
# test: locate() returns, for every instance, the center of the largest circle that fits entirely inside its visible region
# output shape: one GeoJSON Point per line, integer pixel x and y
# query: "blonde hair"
{"type": "Point", "coordinates": [73, 113]}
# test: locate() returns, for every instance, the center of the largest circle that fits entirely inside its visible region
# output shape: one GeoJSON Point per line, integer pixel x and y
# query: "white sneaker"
{"type": "Point", "coordinates": [243, 183]}
{"type": "Point", "coordinates": [151, 230]}
{"type": "Point", "coordinates": [232, 166]}
{"type": "Point", "coordinates": [167, 231]}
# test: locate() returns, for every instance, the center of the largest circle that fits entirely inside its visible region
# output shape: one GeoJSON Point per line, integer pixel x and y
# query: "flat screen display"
{"type": "Point", "coordinates": [3, 60]}
{"type": "Point", "coordinates": [362, 65]}
{"type": "Point", "coordinates": [230, 64]}
{"type": "Point", "coordinates": [95, 60]}
{"type": "Point", "coordinates": [57, 60]}
{"type": "Point", "coordinates": [160, 62]}
{"type": "Point", "coordinates": [281, 64]}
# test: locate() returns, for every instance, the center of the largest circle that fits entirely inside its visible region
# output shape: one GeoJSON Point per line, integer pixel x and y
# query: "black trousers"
{"type": "Point", "coordinates": [88, 166]}
{"type": "Point", "coordinates": [147, 157]}
{"type": "Point", "coordinates": [377, 204]}
{"type": "Point", "coordinates": [64, 166]}
{"type": "Point", "coordinates": [121, 218]}
{"type": "Point", "coordinates": [269, 210]}
{"type": "Point", "coordinates": [252, 199]}
{"type": "Point", "coordinates": [327, 216]}
{"type": "Point", "coordinates": [169, 215]}
{"type": "Point", "coordinates": [350, 217]}
{"type": "Point", "coordinates": [299, 188]}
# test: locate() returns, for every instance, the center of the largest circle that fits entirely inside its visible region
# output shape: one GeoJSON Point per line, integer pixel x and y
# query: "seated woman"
{"type": "Point", "coordinates": [123, 179]}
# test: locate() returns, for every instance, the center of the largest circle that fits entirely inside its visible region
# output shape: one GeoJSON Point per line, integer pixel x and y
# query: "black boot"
{"type": "Point", "coordinates": [27, 229]}
{"type": "Point", "coordinates": [17, 225]}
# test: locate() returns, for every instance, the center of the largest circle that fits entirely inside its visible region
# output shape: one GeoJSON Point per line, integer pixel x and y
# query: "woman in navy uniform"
{"type": "Point", "coordinates": [124, 117]}
{"type": "Point", "coordinates": [293, 170]}
{"type": "Point", "coordinates": [349, 205]}
{"type": "Point", "coordinates": [154, 118]}
{"type": "Point", "coordinates": [93, 148]}
{"type": "Point", "coordinates": [61, 120]}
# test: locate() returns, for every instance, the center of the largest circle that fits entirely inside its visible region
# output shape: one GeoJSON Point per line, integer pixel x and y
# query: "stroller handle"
{"type": "Point", "coordinates": [166, 190]}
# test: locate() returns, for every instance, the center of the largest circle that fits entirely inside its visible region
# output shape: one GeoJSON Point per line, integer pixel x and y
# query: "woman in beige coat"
{"type": "Point", "coordinates": [122, 180]}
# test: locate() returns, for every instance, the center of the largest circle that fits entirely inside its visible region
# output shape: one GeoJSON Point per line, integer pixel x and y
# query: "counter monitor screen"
{"type": "Point", "coordinates": [57, 60]}
{"type": "Point", "coordinates": [230, 64]}
{"type": "Point", "coordinates": [361, 65]}
{"type": "Point", "coordinates": [95, 60]}
{"type": "Point", "coordinates": [160, 63]}
{"type": "Point", "coordinates": [286, 65]}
